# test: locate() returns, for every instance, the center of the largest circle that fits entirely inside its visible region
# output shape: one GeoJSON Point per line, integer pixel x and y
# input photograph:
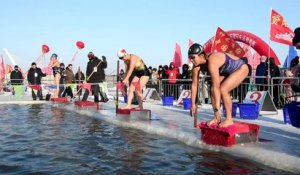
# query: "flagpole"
{"type": "Point", "coordinates": [269, 53]}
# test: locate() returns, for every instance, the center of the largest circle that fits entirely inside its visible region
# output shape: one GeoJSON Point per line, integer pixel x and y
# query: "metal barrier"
{"type": "Point", "coordinates": [280, 91]}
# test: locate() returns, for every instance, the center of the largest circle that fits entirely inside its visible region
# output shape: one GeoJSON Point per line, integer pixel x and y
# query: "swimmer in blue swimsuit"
{"type": "Point", "coordinates": [226, 71]}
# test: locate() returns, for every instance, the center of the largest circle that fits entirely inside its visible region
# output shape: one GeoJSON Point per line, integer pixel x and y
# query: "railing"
{"type": "Point", "coordinates": [280, 92]}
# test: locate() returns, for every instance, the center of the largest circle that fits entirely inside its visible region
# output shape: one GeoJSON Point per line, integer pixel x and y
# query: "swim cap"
{"type": "Point", "coordinates": [54, 55]}
{"type": "Point", "coordinates": [195, 49]}
{"type": "Point", "coordinates": [121, 53]}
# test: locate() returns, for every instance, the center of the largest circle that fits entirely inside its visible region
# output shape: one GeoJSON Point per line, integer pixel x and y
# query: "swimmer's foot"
{"type": "Point", "coordinates": [226, 123]}
{"type": "Point", "coordinates": [214, 121]}
{"type": "Point", "coordinates": [126, 107]}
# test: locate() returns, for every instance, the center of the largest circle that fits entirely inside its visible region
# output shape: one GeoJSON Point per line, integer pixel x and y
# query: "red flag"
{"type": "Point", "coordinates": [120, 86]}
{"type": "Point", "coordinates": [2, 69]}
{"type": "Point", "coordinates": [190, 43]}
{"type": "Point", "coordinates": [8, 68]}
{"type": "Point", "coordinates": [177, 59]}
{"type": "Point", "coordinates": [87, 86]}
{"type": "Point", "coordinates": [223, 43]}
{"type": "Point", "coordinates": [280, 32]}
{"type": "Point", "coordinates": [35, 87]}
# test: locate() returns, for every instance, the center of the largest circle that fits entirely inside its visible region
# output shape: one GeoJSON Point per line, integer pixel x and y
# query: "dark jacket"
{"type": "Point", "coordinates": [79, 77]}
{"type": "Point", "coordinates": [32, 79]}
{"type": "Point", "coordinates": [69, 76]}
{"type": "Point", "coordinates": [99, 75]}
{"type": "Point", "coordinates": [274, 72]}
{"type": "Point", "coordinates": [16, 78]}
{"type": "Point", "coordinates": [260, 71]}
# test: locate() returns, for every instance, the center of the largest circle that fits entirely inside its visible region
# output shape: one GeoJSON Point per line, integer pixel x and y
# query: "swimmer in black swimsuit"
{"type": "Point", "coordinates": [226, 72]}
{"type": "Point", "coordinates": [136, 66]}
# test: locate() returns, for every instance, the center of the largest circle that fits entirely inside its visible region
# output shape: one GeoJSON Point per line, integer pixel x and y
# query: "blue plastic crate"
{"type": "Point", "coordinates": [286, 117]}
{"type": "Point", "coordinates": [187, 103]}
{"type": "Point", "coordinates": [249, 110]}
{"type": "Point", "coordinates": [167, 100]}
{"type": "Point", "coordinates": [294, 111]}
{"type": "Point", "coordinates": [125, 98]}
{"type": "Point", "coordinates": [234, 108]}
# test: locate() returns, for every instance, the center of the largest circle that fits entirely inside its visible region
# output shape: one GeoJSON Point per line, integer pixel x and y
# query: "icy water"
{"type": "Point", "coordinates": [41, 139]}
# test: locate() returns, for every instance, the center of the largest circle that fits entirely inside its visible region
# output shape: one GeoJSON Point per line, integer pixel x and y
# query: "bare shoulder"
{"type": "Point", "coordinates": [216, 57]}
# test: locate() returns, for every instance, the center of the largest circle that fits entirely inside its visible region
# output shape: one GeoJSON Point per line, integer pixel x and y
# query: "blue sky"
{"type": "Point", "coordinates": [147, 28]}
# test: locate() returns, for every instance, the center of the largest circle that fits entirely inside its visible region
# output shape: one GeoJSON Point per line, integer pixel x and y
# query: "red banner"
{"type": "Point", "coordinates": [2, 69]}
{"type": "Point", "coordinates": [177, 59]}
{"type": "Point", "coordinates": [224, 43]}
{"type": "Point", "coordinates": [280, 32]}
{"type": "Point", "coordinates": [190, 43]}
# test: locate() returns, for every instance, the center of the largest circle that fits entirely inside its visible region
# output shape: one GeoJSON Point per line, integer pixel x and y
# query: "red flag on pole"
{"type": "Point", "coordinates": [280, 32]}
{"type": "Point", "coordinates": [8, 68]}
{"type": "Point", "coordinates": [2, 69]}
{"type": "Point", "coordinates": [177, 59]}
{"type": "Point", "coordinates": [190, 43]}
{"type": "Point", "coordinates": [223, 43]}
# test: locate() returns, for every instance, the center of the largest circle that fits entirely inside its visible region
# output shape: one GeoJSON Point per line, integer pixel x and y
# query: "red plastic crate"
{"type": "Point", "coordinates": [127, 111]}
{"type": "Point", "coordinates": [239, 132]}
{"type": "Point", "coordinates": [86, 104]}
{"type": "Point", "coordinates": [60, 99]}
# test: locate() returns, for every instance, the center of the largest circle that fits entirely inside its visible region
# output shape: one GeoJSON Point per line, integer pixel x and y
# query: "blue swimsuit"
{"type": "Point", "coordinates": [230, 66]}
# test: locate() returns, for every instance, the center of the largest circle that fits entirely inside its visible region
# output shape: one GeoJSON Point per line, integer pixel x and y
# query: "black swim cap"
{"type": "Point", "coordinates": [195, 49]}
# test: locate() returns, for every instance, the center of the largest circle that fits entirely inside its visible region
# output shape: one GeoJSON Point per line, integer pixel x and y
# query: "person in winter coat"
{"type": "Point", "coordinates": [95, 74]}
{"type": "Point", "coordinates": [16, 77]}
{"type": "Point", "coordinates": [260, 71]}
{"type": "Point", "coordinates": [34, 77]}
{"type": "Point", "coordinates": [79, 79]}
{"type": "Point", "coordinates": [69, 79]}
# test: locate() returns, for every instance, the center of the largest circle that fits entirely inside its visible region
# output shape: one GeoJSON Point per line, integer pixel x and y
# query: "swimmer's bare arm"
{"type": "Point", "coordinates": [133, 60]}
{"type": "Point", "coordinates": [195, 80]}
{"type": "Point", "coordinates": [216, 91]}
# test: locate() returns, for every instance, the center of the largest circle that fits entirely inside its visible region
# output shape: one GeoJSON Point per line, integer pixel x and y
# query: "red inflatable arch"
{"type": "Point", "coordinates": [250, 39]}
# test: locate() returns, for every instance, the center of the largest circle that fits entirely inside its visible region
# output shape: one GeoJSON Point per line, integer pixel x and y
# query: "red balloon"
{"type": "Point", "coordinates": [45, 48]}
{"type": "Point", "coordinates": [80, 44]}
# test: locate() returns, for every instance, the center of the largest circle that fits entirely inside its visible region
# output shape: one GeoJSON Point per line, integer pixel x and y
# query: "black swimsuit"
{"type": "Point", "coordinates": [142, 72]}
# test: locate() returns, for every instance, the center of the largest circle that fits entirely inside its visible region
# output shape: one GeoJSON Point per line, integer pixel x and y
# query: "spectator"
{"type": "Point", "coordinates": [154, 77]}
{"type": "Point", "coordinates": [274, 72]}
{"type": "Point", "coordinates": [16, 78]}
{"type": "Point", "coordinates": [260, 71]}
{"type": "Point", "coordinates": [34, 77]}
{"type": "Point", "coordinates": [185, 76]}
{"type": "Point", "coordinates": [173, 74]}
{"type": "Point", "coordinates": [79, 79]}
{"type": "Point", "coordinates": [69, 79]}
{"type": "Point", "coordinates": [62, 79]}
{"type": "Point", "coordinates": [293, 72]}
